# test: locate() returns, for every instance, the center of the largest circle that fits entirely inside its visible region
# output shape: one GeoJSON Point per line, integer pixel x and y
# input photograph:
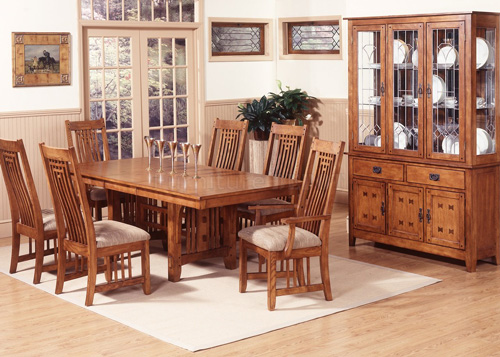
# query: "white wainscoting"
{"type": "Point", "coordinates": [33, 127]}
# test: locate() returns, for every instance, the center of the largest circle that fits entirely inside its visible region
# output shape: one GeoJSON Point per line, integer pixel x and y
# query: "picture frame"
{"type": "Point", "coordinates": [40, 59]}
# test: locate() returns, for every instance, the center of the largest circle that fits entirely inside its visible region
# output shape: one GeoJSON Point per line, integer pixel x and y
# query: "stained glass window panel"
{"type": "Point", "coordinates": [237, 38]}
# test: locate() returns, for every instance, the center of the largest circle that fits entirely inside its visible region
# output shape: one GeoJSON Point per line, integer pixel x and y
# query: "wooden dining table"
{"type": "Point", "coordinates": [215, 189]}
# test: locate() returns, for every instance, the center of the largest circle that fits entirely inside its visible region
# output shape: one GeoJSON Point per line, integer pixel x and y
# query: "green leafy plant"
{"type": "Point", "coordinates": [291, 103]}
{"type": "Point", "coordinates": [260, 115]}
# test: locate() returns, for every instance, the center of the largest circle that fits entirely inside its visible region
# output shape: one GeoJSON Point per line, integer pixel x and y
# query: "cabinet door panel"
{"type": "Point", "coordinates": [445, 89]}
{"type": "Point", "coordinates": [405, 89]}
{"type": "Point", "coordinates": [405, 212]}
{"type": "Point", "coordinates": [368, 88]}
{"type": "Point", "coordinates": [445, 218]}
{"type": "Point", "coordinates": [369, 205]}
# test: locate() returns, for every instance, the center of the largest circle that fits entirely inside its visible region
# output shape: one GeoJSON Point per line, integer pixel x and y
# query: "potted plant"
{"type": "Point", "coordinates": [260, 115]}
{"type": "Point", "coordinates": [291, 104]}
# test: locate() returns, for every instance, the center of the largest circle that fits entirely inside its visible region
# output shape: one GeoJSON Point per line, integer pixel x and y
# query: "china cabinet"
{"type": "Point", "coordinates": [424, 169]}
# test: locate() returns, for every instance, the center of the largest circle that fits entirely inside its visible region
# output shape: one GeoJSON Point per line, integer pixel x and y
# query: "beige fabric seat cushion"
{"type": "Point", "coordinates": [49, 220]}
{"type": "Point", "coordinates": [273, 238]}
{"type": "Point", "coordinates": [109, 233]}
{"type": "Point", "coordinates": [265, 212]}
{"type": "Point", "coordinates": [98, 194]}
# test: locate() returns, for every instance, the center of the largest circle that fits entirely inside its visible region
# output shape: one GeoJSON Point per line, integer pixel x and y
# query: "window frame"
{"type": "Point", "coordinates": [285, 28]}
{"type": "Point", "coordinates": [266, 53]}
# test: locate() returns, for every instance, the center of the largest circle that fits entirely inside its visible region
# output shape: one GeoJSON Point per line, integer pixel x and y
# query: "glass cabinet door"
{"type": "Point", "coordinates": [485, 90]}
{"type": "Point", "coordinates": [405, 78]}
{"type": "Point", "coordinates": [369, 57]}
{"type": "Point", "coordinates": [445, 92]}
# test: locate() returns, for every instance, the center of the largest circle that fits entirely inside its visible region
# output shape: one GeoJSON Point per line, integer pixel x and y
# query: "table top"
{"type": "Point", "coordinates": [215, 188]}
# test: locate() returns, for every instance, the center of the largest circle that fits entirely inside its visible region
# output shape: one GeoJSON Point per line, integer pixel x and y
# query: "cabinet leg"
{"type": "Point", "coordinates": [470, 265]}
{"type": "Point", "coordinates": [352, 240]}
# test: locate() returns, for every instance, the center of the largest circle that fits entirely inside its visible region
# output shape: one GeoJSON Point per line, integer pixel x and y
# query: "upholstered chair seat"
{"type": "Point", "coordinates": [97, 194]}
{"type": "Point", "coordinates": [48, 219]}
{"type": "Point", "coordinates": [111, 233]}
{"type": "Point", "coordinates": [273, 238]}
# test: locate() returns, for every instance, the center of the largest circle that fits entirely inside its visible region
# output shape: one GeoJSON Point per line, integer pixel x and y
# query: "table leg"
{"type": "Point", "coordinates": [114, 208]}
{"type": "Point", "coordinates": [174, 242]}
{"type": "Point", "coordinates": [229, 215]}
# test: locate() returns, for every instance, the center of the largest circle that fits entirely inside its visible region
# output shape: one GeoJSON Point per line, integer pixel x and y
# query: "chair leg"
{"type": "Point", "coordinates": [271, 281]}
{"type": "Point", "coordinates": [325, 276]}
{"type": "Point", "coordinates": [299, 267]}
{"type": "Point", "coordinates": [39, 252]}
{"type": "Point", "coordinates": [91, 280]}
{"type": "Point", "coordinates": [243, 266]}
{"type": "Point", "coordinates": [14, 259]}
{"type": "Point", "coordinates": [146, 286]}
{"type": "Point", "coordinates": [61, 270]}
{"type": "Point", "coordinates": [98, 211]}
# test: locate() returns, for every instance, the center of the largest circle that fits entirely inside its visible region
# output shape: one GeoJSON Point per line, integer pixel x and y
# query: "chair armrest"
{"type": "Point", "coordinates": [296, 220]}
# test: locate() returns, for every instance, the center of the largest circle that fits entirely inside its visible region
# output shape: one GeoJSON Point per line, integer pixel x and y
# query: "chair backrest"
{"type": "Point", "coordinates": [71, 207]}
{"type": "Point", "coordinates": [229, 136]}
{"type": "Point", "coordinates": [87, 134]}
{"type": "Point", "coordinates": [285, 151]}
{"type": "Point", "coordinates": [317, 194]}
{"type": "Point", "coordinates": [23, 198]}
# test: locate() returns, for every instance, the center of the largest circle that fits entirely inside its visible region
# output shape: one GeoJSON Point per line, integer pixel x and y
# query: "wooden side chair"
{"type": "Point", "coordinates": [28, 218]}
{"type": "Point", "coordinates": [109, 240]}
{"type": "Point", "coordinates": [88, 134]}
{"type": "Point", "coordinates": [226, 150]}
{"type": "Point", "coordinates": [303, 236]}
{"type": "Point", "coordinates": [284, 159]}
{"type": "Point", "coordinates": [227, 145]}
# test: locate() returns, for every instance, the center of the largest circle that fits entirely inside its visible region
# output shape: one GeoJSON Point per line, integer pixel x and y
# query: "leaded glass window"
{"type": "Point", "coordinates": [138, 10]}
{"type": "Point", "coordinates": [313, 37]}
{"type": "Point", "coordinates": [229, 38]}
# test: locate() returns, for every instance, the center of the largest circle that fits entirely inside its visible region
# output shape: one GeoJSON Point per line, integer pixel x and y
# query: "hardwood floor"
{"type": "Point", "coordinates": [458, 317]}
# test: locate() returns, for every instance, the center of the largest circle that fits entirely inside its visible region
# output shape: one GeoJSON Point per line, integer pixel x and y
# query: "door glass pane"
{"type": "Point", "coordinates": [369, 96]}
{"type": "Point", "coordinates": [131, 13]}
{"type": "Point", "coordinates": [405, 90]}
{"type": "Point", "coordinates": [168, 107]}
{"type": "Point", "coordinates": [99, 9]}
{"type": "Point", "coordinates": [173, 10]}
{"type": "Point", "coordinates": [115, 10]}
{"type": "Point", "coordinates": [445, 90]}
{"type": "Point", "coordinates": [485, 90]}
{"type": "Point", "coordinates": [110, 85]}
{"type": "Point", "coordinates": [187, 10]}
{"type": "Point", "coordinates": [160, 10]}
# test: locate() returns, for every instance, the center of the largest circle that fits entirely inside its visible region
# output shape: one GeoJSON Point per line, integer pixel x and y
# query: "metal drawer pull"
{"type": "Point", "coordinates": [377, 170]}
{"type": "Point", "coordinates": [428, 216]}
{"type": "Point", "coordinates": [420, 215]}
{"type": "Point", "coordinates": [382, 208]}
{"type": "Point", "coordinates": [434, 177]}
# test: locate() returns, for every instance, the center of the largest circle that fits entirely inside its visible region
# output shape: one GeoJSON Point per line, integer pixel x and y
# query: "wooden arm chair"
{"type": "Point", "coordinates": [285, 151]}
{"type": "Point", "coordinates": [77, 233]}
{"type": "Point", "coordinates": [227, 145]}
{"type": "Point", "coordinates": [87, 134]}
{"type": "Point", "coordinates": [303, 236]}
{"type": "Point", "coordinates": [28, 218]}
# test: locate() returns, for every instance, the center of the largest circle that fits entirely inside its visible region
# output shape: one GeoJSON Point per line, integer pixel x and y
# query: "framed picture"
{"type": "Point", "coordinates": [40, 59]}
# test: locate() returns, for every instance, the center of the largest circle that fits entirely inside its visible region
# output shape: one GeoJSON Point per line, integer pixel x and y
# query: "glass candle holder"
{"type": "Point", "coordinates": [161, 145]}
{"type": "Point", "coordinates": [185, 152]}
{"type": "Point", "coordinates": [149, 143]}
{"type": "Point", "coordinates": [196, 150]}
{"type": "Point", "coordinates": [173, 150]}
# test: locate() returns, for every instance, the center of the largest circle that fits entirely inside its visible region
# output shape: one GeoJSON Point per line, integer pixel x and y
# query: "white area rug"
{"type": "Point", "coordinates": [205, 309]}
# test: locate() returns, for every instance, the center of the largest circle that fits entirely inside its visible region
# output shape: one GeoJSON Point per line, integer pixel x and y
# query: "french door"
{"type": "Point", "coordinates": [142, 83]}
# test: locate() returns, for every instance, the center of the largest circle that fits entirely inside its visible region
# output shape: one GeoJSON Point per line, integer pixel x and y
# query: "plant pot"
{"type": "Point", "coordinates": [257, 150]}
{"type": "Point", "coordinates": [260, 135]}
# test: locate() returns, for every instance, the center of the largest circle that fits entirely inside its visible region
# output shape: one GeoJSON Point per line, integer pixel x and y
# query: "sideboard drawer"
{"type": "Point", "coordinates": [436, 176]}
{"type": "Point", "coordinates": [378, 169]}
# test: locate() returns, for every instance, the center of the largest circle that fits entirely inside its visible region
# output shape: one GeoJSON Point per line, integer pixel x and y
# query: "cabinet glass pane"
{"type": "Point", "coordinates": [369, 96]}
{"type": "Point", "coordinates": [485, 91]}
{"type": "Point", "coordinates": [445, 91]}
{"type": "Point", "coordinates": [405, 101]}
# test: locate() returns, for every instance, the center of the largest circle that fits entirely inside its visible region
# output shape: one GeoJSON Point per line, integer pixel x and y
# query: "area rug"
{"type": "Point", "coordinates": [205, 309]}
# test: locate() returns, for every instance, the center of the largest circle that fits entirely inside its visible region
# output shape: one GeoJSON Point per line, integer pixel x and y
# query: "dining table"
{"type": "Point", "coordinates": [216, 193]}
